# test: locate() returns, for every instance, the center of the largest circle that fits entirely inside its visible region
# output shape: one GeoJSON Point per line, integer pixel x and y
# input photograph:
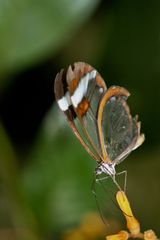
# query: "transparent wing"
{"type": "Point", "coordinates": [119, 128]}
{"type": "Point", "coordinates": [60, 89]}
{"type": "Point", "coordinates": [89, 120]}
{"type": "Point", "coordinates": [120, 131]}
{"type": "Point", "coordinates": [92, 96]}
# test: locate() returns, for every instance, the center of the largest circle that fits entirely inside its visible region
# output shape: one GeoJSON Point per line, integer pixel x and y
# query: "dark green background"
{"type": "Point", "coordinates": [45, 174]}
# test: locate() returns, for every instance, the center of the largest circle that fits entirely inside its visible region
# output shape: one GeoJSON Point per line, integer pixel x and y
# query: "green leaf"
{"type": "Point", "coordinates": [30, 30]}
{"type": "Point", "coordinates": [14, 209]}
{"type": "Point", "coordinates": [57, 180]}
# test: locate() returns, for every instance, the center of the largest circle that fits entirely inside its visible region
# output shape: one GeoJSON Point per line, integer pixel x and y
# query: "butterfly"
{"type": "Point", "coordinates": [99, 117]}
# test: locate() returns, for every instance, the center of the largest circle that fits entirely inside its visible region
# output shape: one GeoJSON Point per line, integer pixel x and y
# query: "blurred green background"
{"type": "Point", "coordinates": [45, 174]}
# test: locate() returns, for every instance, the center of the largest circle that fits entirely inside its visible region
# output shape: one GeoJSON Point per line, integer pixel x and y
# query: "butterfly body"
{"type": "Point", "coordinates": [108, 168]}
{"type": "Point", "coordinates": [99, 117]}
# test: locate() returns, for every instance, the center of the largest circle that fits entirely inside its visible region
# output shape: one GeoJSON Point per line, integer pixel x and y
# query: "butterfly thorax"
{"type": "Point", "coordinates": [108, 168]}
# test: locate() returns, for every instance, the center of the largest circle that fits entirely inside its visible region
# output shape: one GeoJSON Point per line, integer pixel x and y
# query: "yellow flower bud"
{"type": "Point", "coordinates": [150, 235]}
{"type": "Point", "coordinates": [132, 223]}
{"type": "Point", "coordinates": [122, 235]}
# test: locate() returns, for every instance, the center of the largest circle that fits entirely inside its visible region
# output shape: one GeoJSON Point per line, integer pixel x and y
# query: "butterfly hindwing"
{"type": "Point", "coordinates": [120, 130]}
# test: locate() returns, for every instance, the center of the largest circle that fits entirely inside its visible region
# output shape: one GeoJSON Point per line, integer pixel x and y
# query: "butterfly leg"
{"type": "Point", "coordinates": [116, 183]}
{"type": "Point", "coordinates": [101, 179]}
{"type": "Point", "coordinates": [93, 187]}
{"type": "Point", "coordinates": [113, 178]}
{"type": "Point", "coordinates": [125, 179]}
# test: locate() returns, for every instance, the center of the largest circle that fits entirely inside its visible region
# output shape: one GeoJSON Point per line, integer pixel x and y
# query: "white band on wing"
{"type": "Point", "coordinates": [64, 102]}
{"type": "Point", "coordinates": [81, 89]}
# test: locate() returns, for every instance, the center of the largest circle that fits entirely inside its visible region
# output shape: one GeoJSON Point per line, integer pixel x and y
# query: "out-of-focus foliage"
{"type": "Point", "coordinates": [56, 178]}
{"type": "Point", "coordinates": [45, 183]}
{"type": "Point", "coordinates": [31, 30]}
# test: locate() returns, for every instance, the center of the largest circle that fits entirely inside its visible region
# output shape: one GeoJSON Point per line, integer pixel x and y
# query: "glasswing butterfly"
{"type": "Point", "coordinates": [107, 130]}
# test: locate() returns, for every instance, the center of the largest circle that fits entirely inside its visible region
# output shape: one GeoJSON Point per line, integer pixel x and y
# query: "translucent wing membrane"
{"type": "Point", "coordinates": [120, 130]}
{"type": "Point", "coordinates": [92, 87]}
{"type": "Point", "coordinates": [89, 121]}
{"type": "Point", "coordinates": [63, 99]}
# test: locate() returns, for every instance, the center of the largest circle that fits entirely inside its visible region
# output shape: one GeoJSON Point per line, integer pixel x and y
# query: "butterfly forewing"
{"type": "Point", "coordinates": [64, 101]}
{"type": "Point", "coordinates": [78, 97]}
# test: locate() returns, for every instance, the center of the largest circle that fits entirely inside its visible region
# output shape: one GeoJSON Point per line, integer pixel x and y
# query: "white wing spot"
{"type": "Point", "coordinates": [64, 102]}
{"type": "Point", "coordinates": [101, 90]}
{"type": "Point", "coordinates": [81, 90]}
{"type": "Point", "coordinates": [113, 99]}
